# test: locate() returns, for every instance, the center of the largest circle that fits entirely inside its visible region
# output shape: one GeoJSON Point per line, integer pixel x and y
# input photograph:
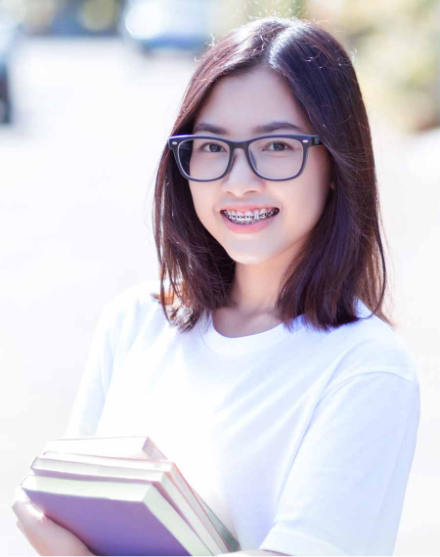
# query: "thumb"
{"type": "Point", "coordinates": [25, 510]}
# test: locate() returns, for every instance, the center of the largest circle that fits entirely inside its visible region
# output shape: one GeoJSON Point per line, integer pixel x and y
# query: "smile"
{"type": "Point", "coordinates": [247, 218]}
{"type": "Point", "coordinates": [245, 225]}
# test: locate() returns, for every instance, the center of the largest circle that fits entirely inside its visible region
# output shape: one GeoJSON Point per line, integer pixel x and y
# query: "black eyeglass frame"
{"type": "Point", "coordinates": [307, 141]}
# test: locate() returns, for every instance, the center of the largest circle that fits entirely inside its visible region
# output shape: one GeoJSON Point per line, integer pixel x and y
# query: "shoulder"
{"type": "Point", "coordinates": [370, 345]}
{"type": "Point", "coordinates": [136, 295]}
{"type": "Point", "coordinates": [133, 305]}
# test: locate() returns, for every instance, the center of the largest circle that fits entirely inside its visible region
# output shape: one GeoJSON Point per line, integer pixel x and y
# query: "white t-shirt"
{"type": "Point", "coordinates": [301, 442]}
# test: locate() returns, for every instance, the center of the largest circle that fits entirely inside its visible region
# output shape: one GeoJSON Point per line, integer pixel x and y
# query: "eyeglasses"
{"type": "Point", "coordinates": [204, 158]}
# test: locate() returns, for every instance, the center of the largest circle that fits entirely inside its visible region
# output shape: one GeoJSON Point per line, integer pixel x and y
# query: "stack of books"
{"type": "Point", "coordinates": [121, 496]}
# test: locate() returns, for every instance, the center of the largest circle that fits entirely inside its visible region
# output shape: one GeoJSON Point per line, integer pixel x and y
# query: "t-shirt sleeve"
{"type": "Point", "coordinates": [90, 397]}
{"type": "Point", "coordinates": [345, 491]}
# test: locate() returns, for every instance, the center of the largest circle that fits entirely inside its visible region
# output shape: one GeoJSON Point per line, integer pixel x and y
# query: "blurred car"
{"type": "Point", "coordinates": [72, 18]}
{"type": "Point", "coordinates": [176, 24]}
{"type": "Point", "coordinates": [8, 35]}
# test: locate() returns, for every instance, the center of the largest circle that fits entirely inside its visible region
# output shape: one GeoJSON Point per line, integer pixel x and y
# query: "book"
{"type": "Point", "coordinates": [164, 475]}
{"type": "Point", "coordinates": [129, 447]}
{"type": "Point", "coordinates": [137, 447]}
{"type": "Point", "coordinates": [120, 501]}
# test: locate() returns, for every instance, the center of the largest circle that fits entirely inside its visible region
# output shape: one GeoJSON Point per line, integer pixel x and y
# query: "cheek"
{"type": "Point", "coordinates": [315, 181]}
{"type": "Point", "coordinates": [304, 209]}
{"type": "Point", "coordinates": [204, 204]}
{"type": "Point", "coordinates": [316, 199]}
{"type": "Point", "coordinates": [197, 198]}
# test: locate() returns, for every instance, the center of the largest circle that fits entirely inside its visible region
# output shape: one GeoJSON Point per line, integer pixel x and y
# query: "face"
{"type": "Point", "coordinates": [239, 104]}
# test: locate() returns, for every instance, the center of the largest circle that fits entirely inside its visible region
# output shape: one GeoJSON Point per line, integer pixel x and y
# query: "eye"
{"type": "Point", "coordinates": [279, 143]}
{"type": "Point", "coordinates": [216, 146]}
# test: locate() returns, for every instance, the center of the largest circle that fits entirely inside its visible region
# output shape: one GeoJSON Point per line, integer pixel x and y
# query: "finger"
{"type": "Point", "coordinates": [23, 531]}
{"type": "Point", "coordinates": [25, 511]}
{"type": "Point", "coordinates": [20, 527]}
{"type": "Point", "coordinates": [20, 496]}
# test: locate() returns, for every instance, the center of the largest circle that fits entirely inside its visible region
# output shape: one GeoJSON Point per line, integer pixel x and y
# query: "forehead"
{"type": "Point", "coordinates": [240, 103]}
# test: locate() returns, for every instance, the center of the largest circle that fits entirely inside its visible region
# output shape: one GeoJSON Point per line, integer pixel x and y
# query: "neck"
{"type": "Point", "coordinates": [255, 290]}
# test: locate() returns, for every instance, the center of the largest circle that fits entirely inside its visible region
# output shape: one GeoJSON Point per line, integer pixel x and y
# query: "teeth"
{"type": "Point", "coordinates": [249, 214]}
{"type": "Point", "coordinates": [250, 217]}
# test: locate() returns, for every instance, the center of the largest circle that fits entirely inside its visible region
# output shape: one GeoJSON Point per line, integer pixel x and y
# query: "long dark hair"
{"type": "Point", "coordinates": [343, 256]}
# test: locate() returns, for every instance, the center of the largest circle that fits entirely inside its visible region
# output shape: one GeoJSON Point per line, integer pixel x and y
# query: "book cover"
{"type": "Point", "coordinates": [174, 474]}
{"type": "Point", "coordinates": [165, 486]}
{"type": "Point", "coordinates": [113, 517]}
{"type": "Point", "coordinates": [141, 448]}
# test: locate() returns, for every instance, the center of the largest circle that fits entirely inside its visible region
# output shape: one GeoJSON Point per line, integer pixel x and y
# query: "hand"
{"type": "Point", "coordinates": [46, 536]}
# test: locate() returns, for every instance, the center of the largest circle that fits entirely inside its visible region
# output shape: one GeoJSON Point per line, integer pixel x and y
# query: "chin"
{"type": "Point", "coordinates": [250, 258]}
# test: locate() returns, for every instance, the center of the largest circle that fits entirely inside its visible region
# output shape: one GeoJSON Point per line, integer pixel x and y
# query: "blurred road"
{"type": "Point", "coordinates": [75, 222]}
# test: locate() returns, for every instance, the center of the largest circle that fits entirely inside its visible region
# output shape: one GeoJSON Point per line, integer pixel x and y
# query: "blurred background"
{"type": "Point", "coordinates": [89, 90]}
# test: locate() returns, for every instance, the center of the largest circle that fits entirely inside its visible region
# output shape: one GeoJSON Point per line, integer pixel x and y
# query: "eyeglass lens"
{"type": "Point", "coordinates": [275, 157]}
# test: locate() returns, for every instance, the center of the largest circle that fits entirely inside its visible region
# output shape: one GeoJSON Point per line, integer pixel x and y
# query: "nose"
{"type": "Point", "coordinates": [241, 172]}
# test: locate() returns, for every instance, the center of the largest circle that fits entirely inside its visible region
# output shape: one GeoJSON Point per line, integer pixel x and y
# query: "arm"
{"type": "Point", "coordinates": [90, 397]}
{"type": "Point", "coordinates": [345, 490]}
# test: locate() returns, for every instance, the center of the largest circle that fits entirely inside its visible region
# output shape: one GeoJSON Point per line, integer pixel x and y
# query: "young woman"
{"type": "Point", "coordinates": [266, 369]}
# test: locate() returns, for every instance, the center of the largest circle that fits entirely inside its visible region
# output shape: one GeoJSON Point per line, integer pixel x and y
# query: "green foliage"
{"type": "Point", "coordinates": [394, 46]}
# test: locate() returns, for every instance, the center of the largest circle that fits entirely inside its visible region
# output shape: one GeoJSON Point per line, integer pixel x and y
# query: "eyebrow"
{"type": "Point", "coordinates": [264, 128]}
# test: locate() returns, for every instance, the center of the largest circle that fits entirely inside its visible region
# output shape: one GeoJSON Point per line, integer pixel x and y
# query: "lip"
{"type": "Point", "coordinates": [247, 228]}
{"type": "Point", "coordinates": [244, 208]}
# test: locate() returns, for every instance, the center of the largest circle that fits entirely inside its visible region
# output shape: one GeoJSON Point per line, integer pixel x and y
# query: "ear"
{"type": "Point", "coordinates": [332, 185]}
